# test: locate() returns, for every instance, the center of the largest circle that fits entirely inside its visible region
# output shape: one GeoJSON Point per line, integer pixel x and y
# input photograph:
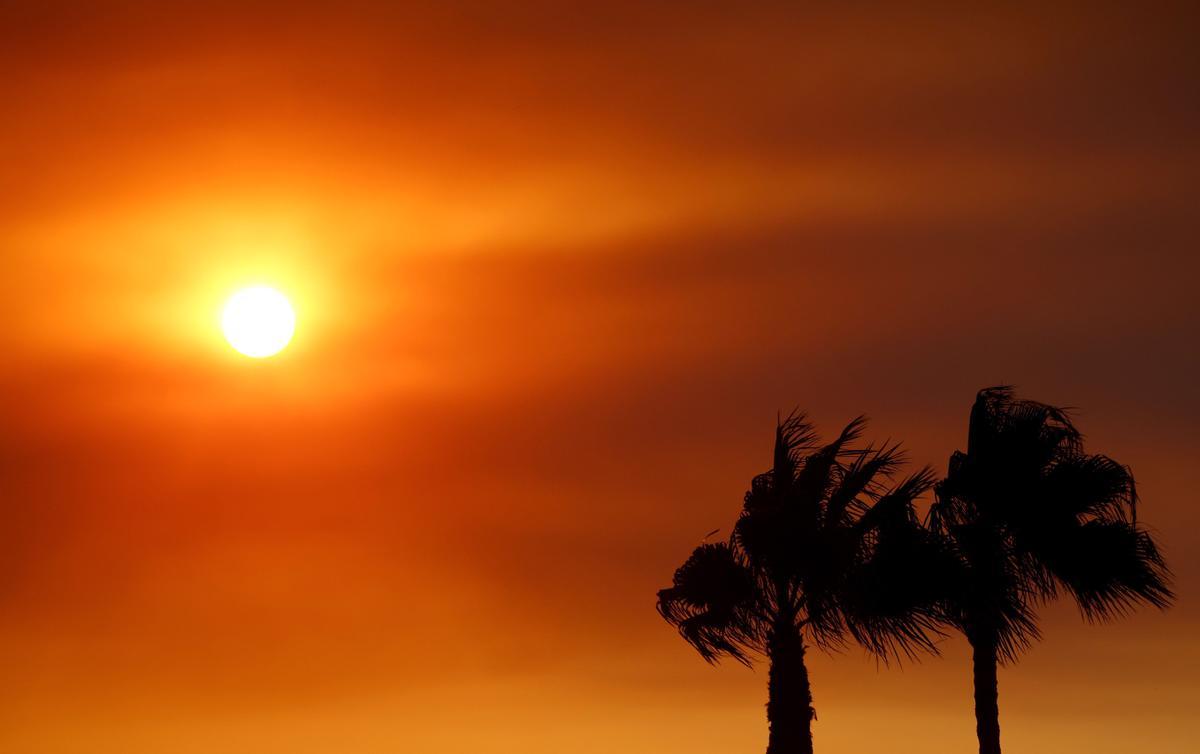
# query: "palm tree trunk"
{"type": "Point", "coordinates": [987, 707]}
{"type": "Point", "coordinates": [789, 699]}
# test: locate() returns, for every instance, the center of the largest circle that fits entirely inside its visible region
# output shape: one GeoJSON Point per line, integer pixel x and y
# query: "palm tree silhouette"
{"type": "Point", "coordinates": [826, 547]}
{"type": "Point", "coordinates": [1026, 514]}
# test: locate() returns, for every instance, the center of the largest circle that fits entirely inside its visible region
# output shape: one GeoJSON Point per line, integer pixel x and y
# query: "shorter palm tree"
{"type": "Point", "coordinates": [1026, 513]}
{"type": "Point", "coordinates": [827, 547]}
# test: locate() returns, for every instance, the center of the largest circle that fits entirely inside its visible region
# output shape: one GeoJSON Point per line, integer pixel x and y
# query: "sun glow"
{"type": "Point", "coordinates": [258, 321]}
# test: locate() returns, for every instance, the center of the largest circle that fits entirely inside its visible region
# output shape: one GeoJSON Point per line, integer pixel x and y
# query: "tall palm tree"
{"type": "Point", "coordinates": [827, 547]}
{"type": "Point", "coordinates": [1027, 514]}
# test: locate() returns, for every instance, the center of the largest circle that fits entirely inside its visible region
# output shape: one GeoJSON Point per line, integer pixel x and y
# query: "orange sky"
{"type": "Point", "coordinates": [555, 273]}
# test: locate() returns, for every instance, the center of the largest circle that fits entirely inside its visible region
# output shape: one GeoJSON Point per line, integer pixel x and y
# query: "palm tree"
{"type": "Point", "coordinates": [1026, 513]}
{"type": "Point", "coordinates": [826, 547]}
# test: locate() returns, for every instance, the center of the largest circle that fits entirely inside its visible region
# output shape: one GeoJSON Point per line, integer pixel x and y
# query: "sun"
{"type": "Point", "coordinates": [258, 321]}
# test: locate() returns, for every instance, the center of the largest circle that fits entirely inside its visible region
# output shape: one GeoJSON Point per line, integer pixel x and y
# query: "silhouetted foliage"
{"type": "Point", "coordinates": [1026, 514]}
{"type": "Point", "coordinates": [828, 547]}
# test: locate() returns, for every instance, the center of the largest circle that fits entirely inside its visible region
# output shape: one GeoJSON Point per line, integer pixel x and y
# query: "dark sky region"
{"type": "Point", "coordinates": [557, 267]}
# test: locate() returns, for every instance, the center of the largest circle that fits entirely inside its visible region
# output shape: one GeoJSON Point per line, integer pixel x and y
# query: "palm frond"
{"type": "Point", "coordinates": [1092, 486]}
{"type": "Point", "coordinates": [794, 437]}
{"type": "Point", "coordinates": [712, 603]}
{"type": "Point", "coordinates": [861, 477]}
{"type": "Point", "coordinates": [1111, 567]}
{"type": "Point", "coordinates": [895, 507]}
{"type": "Point", "coordinates": [816, 472]}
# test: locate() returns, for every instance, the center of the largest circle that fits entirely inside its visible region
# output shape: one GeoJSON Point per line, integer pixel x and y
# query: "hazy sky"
{"type": "Point", "coordinates": [556, 271]}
